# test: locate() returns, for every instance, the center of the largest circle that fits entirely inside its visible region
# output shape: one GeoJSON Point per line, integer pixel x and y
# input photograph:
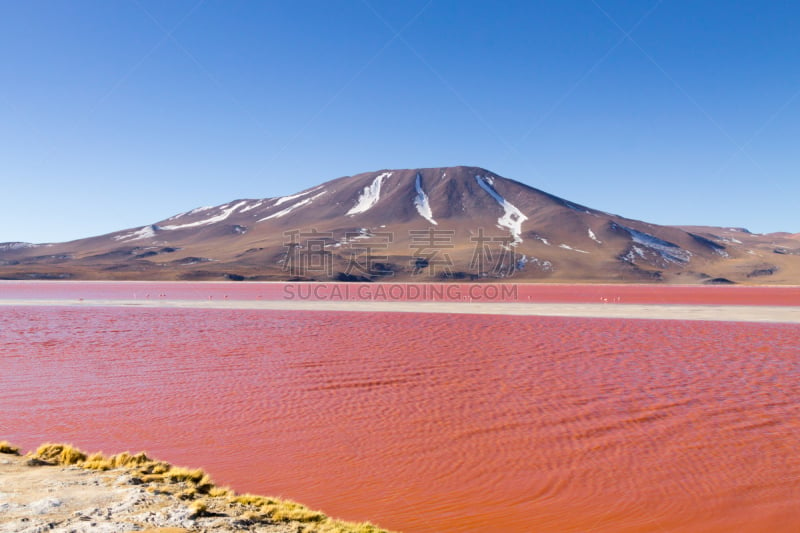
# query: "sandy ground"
{"type": "Point", "coordinates": [37, 497]}
{"type": "Point", "coordinates": [731, 313]}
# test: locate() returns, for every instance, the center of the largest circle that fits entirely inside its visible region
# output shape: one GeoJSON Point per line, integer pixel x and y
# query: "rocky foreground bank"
{"type": "Point", "coordinates": [59, 488]}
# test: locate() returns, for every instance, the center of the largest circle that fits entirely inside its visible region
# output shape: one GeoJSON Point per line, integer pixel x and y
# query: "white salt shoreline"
{"type": "Point", "coordinates": [726, 313]}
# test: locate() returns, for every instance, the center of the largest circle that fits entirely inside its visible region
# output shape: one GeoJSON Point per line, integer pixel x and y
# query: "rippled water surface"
{"type": "Point", "coordinates": [424, 422]}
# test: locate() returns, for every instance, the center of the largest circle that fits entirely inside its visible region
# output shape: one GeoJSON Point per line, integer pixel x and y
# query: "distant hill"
{"type": "Point", "coordinates": [463, 223]}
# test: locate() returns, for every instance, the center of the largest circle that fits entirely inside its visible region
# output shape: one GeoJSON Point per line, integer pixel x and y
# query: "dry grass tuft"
{"type": "Point", "coordinates": [198, 508]}
{"type": "Point", "coordinates": [220, 492]}
{"type": "Point", "coordinates": [126, 460]}
{"type": "Point", "coordinates": [279, 510]}
{"type": "Point", "coordinates": [188, 494]}
{"type": "Point", "coordinates": [158, 468]}
{"type": "Point", "coordinates": [338, 526]}
{"type": "Point", "coordinates": [161, 489]}
{"type": "Point", "coordinates": [6, 447]}
{"type": "Point", "coordinates": [177, 474]}
{"type": "Point", "coordinates": [63, 454]}
{"type": "Point", "coordinates": [97, 461]}
{"type": "Point", "coordinates": [264, 508]}
{"type": "Point", "coordinates": [253, 500]}
{"type": "Point", "coordinates": [204, 485]}
{"type": "Point", "coordinates": [253, 516]}
{"type": "Point", "coordinates": [361, 527]}
{"type": "Point", "coordinates": [289, 511]}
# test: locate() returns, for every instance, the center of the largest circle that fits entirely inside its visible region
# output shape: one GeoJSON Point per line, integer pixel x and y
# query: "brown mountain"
{"type": "Point", "coordinates": [417, 224]}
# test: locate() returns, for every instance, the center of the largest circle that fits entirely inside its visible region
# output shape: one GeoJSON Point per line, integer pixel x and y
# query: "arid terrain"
{"type": "Point", "coordinates": [455, 223]}
{"type": "Point", "coordinates": [58, 488]}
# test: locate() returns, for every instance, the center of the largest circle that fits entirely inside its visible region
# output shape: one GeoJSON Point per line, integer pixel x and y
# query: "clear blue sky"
{"type": "Point", "coordinates": [120, 113]}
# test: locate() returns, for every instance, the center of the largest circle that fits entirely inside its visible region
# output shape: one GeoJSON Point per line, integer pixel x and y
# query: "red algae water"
{"type": "Point", "coordinates": [429, 422]}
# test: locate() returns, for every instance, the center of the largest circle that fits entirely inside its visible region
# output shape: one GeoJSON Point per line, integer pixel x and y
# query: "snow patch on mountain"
{"type": "Point", "coordinates": [512, 218]}
{"type": "Point", "coordinates": [370, 195]}
{"type": "Point", "coordinates": [568, 247]}
{"type": "Point", "coordinates": [225, 213]}
{"type": "Point", "coordinates": [284, 199]}
{"type": "Point", "coordinates": [421, 202]}
{"type": "Point", "coordinates": [542, 264]}
{"type": "Point", "coordinates": [147, 232]}
{"type": "Point", "coordinates": [363, 233]}
{"type": "Point", "coordinates": [192, 212]}
{"type": "Point", "coordinates": [6, 246]}
{"type": "Point", "coordinates": [199, 209]}
{"type": "Point", "coordinates": [668, 251]}
{"type": "Point", "coordinates": [594, 237]}
{"type": "Point", "coordinates": [630, 257]}
{"type": "Point", "coordinates": [252, 206]}
{"type": "Point", "coordinates": [292, 207]}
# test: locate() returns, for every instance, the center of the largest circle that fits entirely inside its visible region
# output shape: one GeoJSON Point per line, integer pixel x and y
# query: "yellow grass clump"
{"type": "Point", "coordinates": [125, 459]}
{"type": "Point", "coordinates": [289, 511]}
{"type": "Point", "coordinates": [188, 493]}
{"type": "Point", "coordinates": [198, 508]}
{"type": "Point", "coordinates": [6, 447]}
{"type": "Point", "coordinates": [279, 510]}
{"type": "Point", "coordinates": [63, 454]}
{"type": "Point", "coordinates": [177, 473]}
{"type": "Point", "coordinates": [155, 468]}
{"type": "Point", "coordinates": [338, 526]}
{"type": "Point", "coordinates": [252, 499]}
{"type": "Point", "coordinates": [220, 492]}
{"type": "Point", "coordinates": [98, 461]}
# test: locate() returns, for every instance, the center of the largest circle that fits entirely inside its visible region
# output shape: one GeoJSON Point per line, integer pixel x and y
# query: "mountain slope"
{"type": "Point", "coordinates": [414, 224]}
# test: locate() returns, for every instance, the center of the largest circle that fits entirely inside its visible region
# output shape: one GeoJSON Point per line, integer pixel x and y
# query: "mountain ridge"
{"type": "Point", "coordinates": [438, 223]}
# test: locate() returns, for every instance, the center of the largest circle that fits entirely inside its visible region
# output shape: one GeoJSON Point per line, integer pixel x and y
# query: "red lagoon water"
{"type": "Point", "coordinates": [430, 422]}
{"type": "Point", "coordinates": [465, 292]}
